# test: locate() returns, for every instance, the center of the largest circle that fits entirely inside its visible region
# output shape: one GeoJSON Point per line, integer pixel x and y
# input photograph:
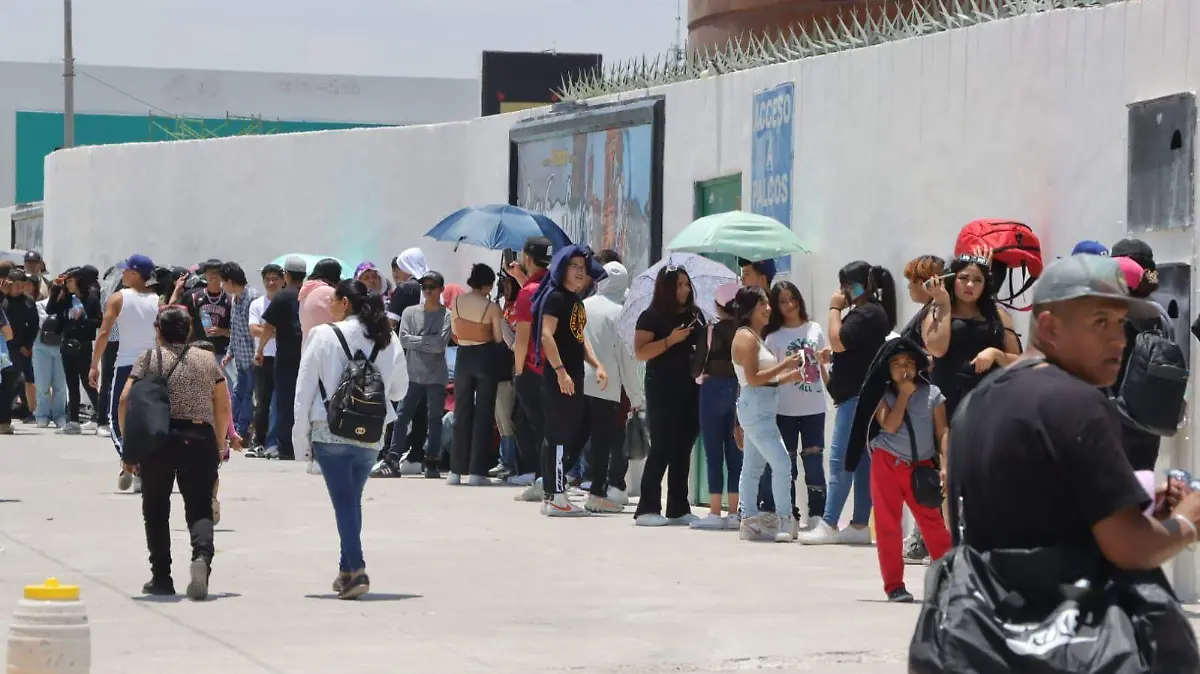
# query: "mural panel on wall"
{"type": "Point", "coordinates": [599, 185]}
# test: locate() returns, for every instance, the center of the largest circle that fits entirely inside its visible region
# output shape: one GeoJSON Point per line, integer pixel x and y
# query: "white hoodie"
{"type": "Point", "coordinates": [603, 311]}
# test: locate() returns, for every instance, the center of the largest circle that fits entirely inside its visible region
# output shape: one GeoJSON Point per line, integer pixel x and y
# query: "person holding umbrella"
{"type": "Point", "coordinates": [664, 339]}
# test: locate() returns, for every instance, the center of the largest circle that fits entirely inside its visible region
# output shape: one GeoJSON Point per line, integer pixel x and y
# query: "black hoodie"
{"type": "Point", "coordinates": [878, 379]}
{"type": "Point", "coordinates": [82, 328]}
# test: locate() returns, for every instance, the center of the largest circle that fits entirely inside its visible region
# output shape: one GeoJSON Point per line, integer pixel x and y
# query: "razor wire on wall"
{"type": "Point", "coordinates": [802, 41]}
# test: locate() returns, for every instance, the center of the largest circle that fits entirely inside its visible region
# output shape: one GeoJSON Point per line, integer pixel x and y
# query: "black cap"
{"type": "Point", "coordinates": [1137, 250]}
{"type": "Point", "coordinates": [433, 278]}
{"type": "Point", "coordinates": [33, 256]}
{"type": "Point", "coordinates": [539, 249]}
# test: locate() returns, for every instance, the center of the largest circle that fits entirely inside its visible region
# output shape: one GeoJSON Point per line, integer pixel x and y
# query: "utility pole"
{"type": "Point", "coordinates": [68, 79]}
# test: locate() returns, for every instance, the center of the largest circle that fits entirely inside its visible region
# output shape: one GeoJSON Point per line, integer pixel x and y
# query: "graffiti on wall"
{"type": "Point", "coordinates": [596, 186]}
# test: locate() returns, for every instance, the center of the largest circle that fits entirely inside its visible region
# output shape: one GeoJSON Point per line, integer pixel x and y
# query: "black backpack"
{"type": "Point", "coordinates": [357, 409]}
{"type": "Point", "coordinates": [148, 412]}
{"type": "Point", "coordinates": [1150, 395]}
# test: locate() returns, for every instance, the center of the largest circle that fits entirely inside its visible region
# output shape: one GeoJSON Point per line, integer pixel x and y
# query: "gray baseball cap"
{"type": "Point", "coordinates": [1081, 276]}
{"type": "Point", "coordinates": [296, 265]}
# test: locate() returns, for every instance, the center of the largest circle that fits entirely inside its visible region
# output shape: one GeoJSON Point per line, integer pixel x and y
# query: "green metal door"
{"type": "Point", "coordinates": [719, 195]}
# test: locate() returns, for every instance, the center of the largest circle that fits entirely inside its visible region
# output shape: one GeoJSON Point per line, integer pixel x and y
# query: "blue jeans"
{"type": "Point", "coordinates": [756, 408]}
{"type": "Point", "coordinates": [346, 469]}
{"type": "Point", "coordinates": [718, 402]}
{"type": "Point", "coordinates": [272, 430]}
{"type": "Point", "coordinates": [435, 397]}
{"type": "Point", "coordinates": [243, 402]}
{"type": "Point", "coordinates": [839, 480]}
{"type": "Point", "coordinates": [51, 383]}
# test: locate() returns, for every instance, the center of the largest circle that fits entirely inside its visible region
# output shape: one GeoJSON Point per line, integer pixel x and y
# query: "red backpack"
{"type": "Point", "coordinates": [1014, 246]}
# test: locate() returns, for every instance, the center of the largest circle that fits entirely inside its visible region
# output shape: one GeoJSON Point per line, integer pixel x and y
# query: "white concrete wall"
{"type": "Point", "coordinates": [201, 93]}
{"type": "Point", "coordinates": [897, 146]}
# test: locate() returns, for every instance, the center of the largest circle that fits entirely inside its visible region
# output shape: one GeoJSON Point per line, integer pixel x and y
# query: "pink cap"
{"type": "Point", "coordinates": [725, 293]}
{"type": "Point", "coordinates": [1133, 271]}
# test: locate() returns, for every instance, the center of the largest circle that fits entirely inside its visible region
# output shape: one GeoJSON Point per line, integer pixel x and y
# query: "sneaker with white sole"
{"type": "Point", "coordinates": [784, 533]}
{"type": "Point", "coordinates": [253, 452]}
{"type": "Point", "coordinates": [821, 534]}
{"type": "Point", "coordinates": [71, 428]}
{"type": "Point", "coordinates": [618, 496]}
{"type": "Point", "coordinates": [197, 587]}
{"type": "Point", "coordinates": [522, 480]}
{"type": "Point", "coordinates": [855, 536]}
{"type": "Point", "coordinates": [682, 520]}
{"type": "Point", "coordinates": [709, 522]}
{"type": "Point", "coordinates": [89, 427]}
{"type": "Point", "coordinates": [599, 504]}
{"type": "Point", "coordinates": [454, 479]}
{"type": "Point", "coordinates": [479, 481]}
{"type": "Point", "coordinates": [561, 506]}
{"type": "Point", "coordinates": [754, 528]}
{"type": "Point", "coordinates": [104, 431]}
{"type": "Point", "coordinates": [534, 493]}
{"type": "Point", "coordinates": [411, 468]}
{"type": "Point", "coordinates": [651, 520]}
{"type": "Point", "coordinates": [733, 521]}
{"type": "Point", "coordinates": [137, 484]}
{"type": "Point", "coordinates": [124, 481]}
{"type": "Point", "coordinates": [42, 423]}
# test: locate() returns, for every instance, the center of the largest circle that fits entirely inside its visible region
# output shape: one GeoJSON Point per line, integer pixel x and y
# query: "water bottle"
{"type": "Point", "coordinates": [49, 633]}
{"type": "Point", "coordinates": [205, 320]}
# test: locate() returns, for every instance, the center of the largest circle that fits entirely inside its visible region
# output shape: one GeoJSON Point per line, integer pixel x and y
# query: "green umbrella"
{"type": "Point", "coordinates": [312, 260]}
{"type": "Point", "coordinates": [746, 235]}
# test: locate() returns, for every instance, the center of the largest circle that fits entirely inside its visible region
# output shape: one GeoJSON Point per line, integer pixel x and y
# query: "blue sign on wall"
{"type": "Point", "coordinates": [772, 157]}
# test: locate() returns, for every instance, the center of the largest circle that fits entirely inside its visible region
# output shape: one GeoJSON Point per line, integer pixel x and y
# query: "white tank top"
{"type": "Point", "coordinates": [136, 324]}
{"type": "Point", "coordinates": [766, 359]}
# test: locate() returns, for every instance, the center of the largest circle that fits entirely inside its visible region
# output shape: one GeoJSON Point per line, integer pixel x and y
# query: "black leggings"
{"type": "Point", "coordinates": [108, 365]}
{"type": "Point", "coordinates": [189, 457]}
{"type": "Point", "coordinates": [76, 368]}
{"type": "Point", "coordinates": [473, 451]}
{"type": "Point", "coordinates": [673, 410]}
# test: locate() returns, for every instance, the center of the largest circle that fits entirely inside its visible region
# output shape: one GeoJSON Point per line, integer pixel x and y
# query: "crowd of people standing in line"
{"type": "Point", "coordinates": [528, 372]}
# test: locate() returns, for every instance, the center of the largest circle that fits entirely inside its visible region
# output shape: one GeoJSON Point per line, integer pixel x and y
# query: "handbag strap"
{"type": "Point", "coordinates": [912, 436]}
{"type": "Point", "coordinates": [168, 373]}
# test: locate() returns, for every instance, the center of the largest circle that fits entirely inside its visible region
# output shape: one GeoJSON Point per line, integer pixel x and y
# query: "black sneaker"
{"type": "Point", "coordinates": [900, 596]}
{"type": "Point", "coordinates": [355, 587]}
{"type": "Point", "coordinates": [431, 472]}
{"type": "Point", "coordinates": [160, 587]}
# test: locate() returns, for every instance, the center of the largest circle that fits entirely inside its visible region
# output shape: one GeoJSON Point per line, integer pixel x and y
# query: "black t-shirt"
{"type": "Point", "coordinates": [676, 361]}
{"type": "Point", "coordinates": [219, 311]}
{"type": "Point", "coordinates": [864, 329]}
{"type": "Point", "coordinates": [283, 314]}
{"type": "Point", "coordinates": [568, 334]}
{"type": "Point", "coordinates": [407, 294]}
{"type": "Point", "coordinates": [1042, 461]}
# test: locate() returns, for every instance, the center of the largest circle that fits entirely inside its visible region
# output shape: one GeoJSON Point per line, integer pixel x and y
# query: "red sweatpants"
{"type": "Point", "coordinates": [891, 488]}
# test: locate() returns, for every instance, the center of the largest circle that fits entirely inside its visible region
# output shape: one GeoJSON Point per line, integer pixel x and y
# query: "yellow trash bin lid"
{"type": "Point", "coordinates": [52, 590]}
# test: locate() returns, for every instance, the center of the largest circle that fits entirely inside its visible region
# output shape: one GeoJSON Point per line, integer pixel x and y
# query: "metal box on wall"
{"type": "Point", "coordinates": [1161, 161]}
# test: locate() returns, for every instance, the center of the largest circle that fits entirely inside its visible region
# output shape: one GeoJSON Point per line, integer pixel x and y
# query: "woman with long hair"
{"type": "Point", "coordinates": [360, 325]}
{"type": "Point", "coordinates": [760, 374]}
{"type": "Point", "coordinates": [200, 415]}
{"type": "Point", "coordinates": [475, 321]}
{"type": "Point", "coordinates": [665, 340]}
{"type": "Point", "coordinates": [713, 367]}
{"type": "Point", "coordinates": [862, 312]}
{"type": "Point", "coordinates": [75, 299]}
{"type": "Point", "coordinates": [966, 332]}
{"type": "Point", "coordinates": [801, 417]}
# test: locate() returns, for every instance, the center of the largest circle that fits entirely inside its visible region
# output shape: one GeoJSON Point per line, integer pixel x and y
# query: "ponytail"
{"type": "Point", "coordinates": [881, 281]}
{"type": "Point", "coordinates": [368, 307]}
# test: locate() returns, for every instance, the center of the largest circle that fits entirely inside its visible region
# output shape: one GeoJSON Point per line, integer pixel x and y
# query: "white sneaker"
{"type": "Point", "coordinates": [682, 520]}
{"type": "Point", "coordinates": [599, 504]}
{"type": "Point", "coordinates": [43, 423]}
{"type": "Point", "coordinates": [137, 484]}
{"type": "Point", "coordinates": [89, 427]}
{"type": "Point", "coordinates": [454, 479]}
{"type": "Point", "coordinates": [813, 522]}
{"type": "Point", "coordinates": [533, 493]}
{"type": "Point", "coordinates": [561, 506]}
{"type": "Point", "coordinates": [821, 534]}
{"type": "Point", "coordinates": [783, 534]}
{"type": "Point", "coordinates": [410, 468]}
{"type": "Point", "coordinates": [754, 528]}
{"type": "Point", "coordinates": [651, 520]}
{"type": "Point", "coordinates": [854, 536]}
{"type": "Point", "coordinates": [71, 428]}
{"type": "Point", "coordinates": [733, 521]}
{"type": "Point", "coordinates": [124, 481]}
{"type": "Point", "coordinates": [710, 522]}
{"type": "Point", "coordinates": [253, 452]}
{"type": "Point", "coordinates": [104, 431]}
{"type": "Point", "coordinates": [522, 480]}
{"type": "Point", "coordinates": [313, 467]}
{"type": "Point", "coordinates": [479, 481]}
{"type": "Point", "coordinates": [586, 485]}
{"type": "Point", "coordinates": [617, 496]}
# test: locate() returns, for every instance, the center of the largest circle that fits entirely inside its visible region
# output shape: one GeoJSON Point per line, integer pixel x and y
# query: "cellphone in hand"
{"type": "Point", "coordinates": [929, 282]}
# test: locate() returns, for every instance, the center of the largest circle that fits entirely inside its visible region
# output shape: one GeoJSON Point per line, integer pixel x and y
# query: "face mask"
{"type": "Point", "coordinates": [856, 290]}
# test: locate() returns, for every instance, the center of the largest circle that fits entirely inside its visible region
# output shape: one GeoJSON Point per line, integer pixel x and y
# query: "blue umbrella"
{"type": "Point", "coordinates": [497, 227]}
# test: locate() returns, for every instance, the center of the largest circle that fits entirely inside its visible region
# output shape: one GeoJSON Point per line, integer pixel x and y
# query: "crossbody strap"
{"type": "Point", "coordinates": [912, 436]}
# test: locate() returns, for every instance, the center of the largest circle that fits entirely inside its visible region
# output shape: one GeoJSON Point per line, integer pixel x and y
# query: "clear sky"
{"type": "Point", "coordinates": [431, 38]}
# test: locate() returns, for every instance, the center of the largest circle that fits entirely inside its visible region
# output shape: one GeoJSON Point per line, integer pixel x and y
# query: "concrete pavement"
{"type": "Point", "coordinates": [463, 580]}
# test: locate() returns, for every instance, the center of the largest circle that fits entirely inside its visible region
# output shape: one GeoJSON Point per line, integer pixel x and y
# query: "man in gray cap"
{"type": "Point", "coordinates": [1036, 452]}
{"type": "Point", "coordinates": [281, 320]}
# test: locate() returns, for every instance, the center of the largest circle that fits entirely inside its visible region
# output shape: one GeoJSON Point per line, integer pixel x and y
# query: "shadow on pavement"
{"type": "Point", "coordinates": [370, 596]}
{"type": "Point", "coordinates": [177, 598]}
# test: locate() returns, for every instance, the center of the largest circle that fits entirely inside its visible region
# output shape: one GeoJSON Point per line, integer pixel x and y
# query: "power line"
{"type": "Point", "coordinates": [124, 93]}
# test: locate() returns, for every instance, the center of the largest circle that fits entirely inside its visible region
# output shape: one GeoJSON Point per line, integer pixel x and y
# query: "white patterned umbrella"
{"type": "Point", "coordinates": [706, 277]}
